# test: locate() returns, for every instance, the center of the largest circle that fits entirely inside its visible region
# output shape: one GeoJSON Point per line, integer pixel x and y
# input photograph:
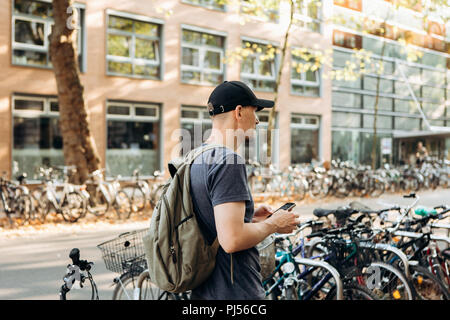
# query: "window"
{"type": "Point", "coordinates": [133, 47]}
{"type": "Point", "coordinates": [202, 58]}
{"type": "Point", "coordinates": [258, 68]}
{"type": "Point", "coordinates": [37, 140]}
{"type": "Point", "coordinates": [265, 10]}
{"type": "Point", "coordinates": [346, 120]}
{"type": "Point", "coordinates": [305, 75]}
{"type": "Point", "coordinates": [133, 138]}
{"type": "Point", "coordinates": [308, 14]}
{"type": "Point", "coordinates": [210, 4]}
{"type": "Point", "coordinates": [32, 23]}
{"type": "Point", "coordinates": [347, 40]}
{"type": "Point", "coordinates": [304, 139]}
{"type": "Point", "coordinates": [346, 100]}
{"type": "Point", "coordinates": [196, 124]}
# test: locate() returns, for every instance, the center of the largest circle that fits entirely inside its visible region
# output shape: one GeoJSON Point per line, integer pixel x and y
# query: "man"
{"type": "Point", "coordinates": [421, 153]}
{"type": "Point", "coordinates": [223, 203]}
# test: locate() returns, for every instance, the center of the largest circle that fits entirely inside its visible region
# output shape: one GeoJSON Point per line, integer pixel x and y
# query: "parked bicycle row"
{"type": "Point", "coordinates": [350, 253]}
{"type": "Point", "coordinates": [344, 179]}
{"type": "Point", "coordinates": [55, 195]}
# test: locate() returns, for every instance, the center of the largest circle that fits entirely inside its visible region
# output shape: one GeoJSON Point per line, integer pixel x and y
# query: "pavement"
{"type": "Point", "coordinates": [33, 260]}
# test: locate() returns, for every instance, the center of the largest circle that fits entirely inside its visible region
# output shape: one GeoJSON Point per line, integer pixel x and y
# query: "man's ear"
{"type": "Point", "coordinates": [238, 111]}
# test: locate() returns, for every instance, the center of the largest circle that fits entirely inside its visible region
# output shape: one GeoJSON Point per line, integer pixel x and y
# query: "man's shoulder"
{"type": "Point", "coordinates": [219, 155]}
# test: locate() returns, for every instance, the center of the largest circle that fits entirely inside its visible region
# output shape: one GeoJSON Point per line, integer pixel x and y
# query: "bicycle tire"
{"type": "Point", "coordinates": [121, 292]}
{"type": "Point", "coordinates": [398, 287]}
{"type": "Point", "coordinates": [352, 291]}
{"type": "Point", "coordinates": [137, 197]}
{"type": "Point", "coordinates": [76, 207]}
{"type": "Point", "coordinates": [24, 208]}
{"type": "Point", "coordinates": [143, 285]}
{"type": "Point", "coordinates": [424, 281]}
{"type": "Point", "coordinates": [122, 205]}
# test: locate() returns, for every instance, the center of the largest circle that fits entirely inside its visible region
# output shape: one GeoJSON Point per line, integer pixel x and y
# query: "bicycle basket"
{"type": "Point", "coordinates": [266, 249]}
{"type": "Point", "coordinates": [124, 253]}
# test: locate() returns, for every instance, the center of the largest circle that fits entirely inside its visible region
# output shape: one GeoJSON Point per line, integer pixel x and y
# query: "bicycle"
{"type": "Point", "coordinates": [70, 203]}
{"type": "Point", "coordinates": [123, 255]}
{"type": "Point", "coordinates": [16, 201]}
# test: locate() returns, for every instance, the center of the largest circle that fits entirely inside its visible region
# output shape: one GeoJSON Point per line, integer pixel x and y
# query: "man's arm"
{"type": "Point", "coordinates": [236, 235]}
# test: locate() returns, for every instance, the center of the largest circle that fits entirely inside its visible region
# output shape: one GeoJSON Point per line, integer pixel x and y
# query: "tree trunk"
{"type": "Point", "coordinates": [271, 121]}
{"type": "Point", "coordinates": [78, 145]}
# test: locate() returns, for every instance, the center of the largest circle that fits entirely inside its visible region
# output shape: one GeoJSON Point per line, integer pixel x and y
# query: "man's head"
{"type": "Point", "coordinates": [233, 105]}
{"type": "Point", "coordinates": [420, 144]}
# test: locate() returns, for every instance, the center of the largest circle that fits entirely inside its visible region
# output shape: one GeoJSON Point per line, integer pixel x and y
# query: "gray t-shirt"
{"type": "Point", "coordinates": [219, 176]}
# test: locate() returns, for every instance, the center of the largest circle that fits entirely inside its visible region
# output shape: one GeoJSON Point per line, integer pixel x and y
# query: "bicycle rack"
{"type": "Point", "coordinates": [327, 266]}
{"type": "Point", "coordinates": [394, 250]}
{"type": "Point", "coordinates": [418, 235]}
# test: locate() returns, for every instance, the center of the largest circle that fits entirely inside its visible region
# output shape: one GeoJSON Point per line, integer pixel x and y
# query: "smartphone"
{"type": "Point", "coordinates": [285, 206]}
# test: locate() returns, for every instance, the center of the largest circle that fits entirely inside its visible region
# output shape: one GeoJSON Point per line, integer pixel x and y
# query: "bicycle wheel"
{"type": "Point", "coordinates": [352, 291]}
{"type": "Point", "coordinates": [147, 290]}
{"type": "Point", "coordinates": [385, 282]}
{"type": "Point", "coordinates": [23, 208]}
{"type": "Point", "coordinates": [125, 288]}
{"type": "Point", "coordinates": [73, 207]}
{"type": "Point", "coordinates": [137, 197]}
{"type": "Point", "coordinates": [427, 285]}
{"type": "Point", "coordinates": [122, 205]}
{"type": "Point", "coordinates": [87, 290]}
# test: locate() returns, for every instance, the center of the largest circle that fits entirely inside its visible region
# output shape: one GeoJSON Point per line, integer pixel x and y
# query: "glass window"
{"type": "Point", "coordinates": [345, 145]}
{"type": "Point", "coordinates": [433, 110]}
{"type": "Point", "coordinates": [304, 145]}
{"type": "Point", "coordinates": [383, 103]}
{"type": "Point", "coordinates": [32, 23]}
{"type": "Point", "coordinates": [133, 47]}
{"type": "Point", "coordinates": [383, 122]}
{"type": "Point", "coordinates": [37, 140]}
{"type": "Point", "coordinates": [346, 119]}
{"type": "Point", "coordinates": [347, 100]}
{"type": "Point", "coordinates": [433, 94]}
{"type": "Point", "coordinates": [304, 139]}
{"type": "Point", "coordinates": [196, 126]}
{"type": "Point", "coordinates": [403, 123]}
{"type": "Point", "coordinates": [308, 14]}
{"type": "Point", "coordinates": [211, 4]}
{"type": "Point", "coordinates": [305, 75]}
{"type": "Point", "coordinates": [385, 86]}
{"type": "Point", "coordinates": [133, 141]}
{"type": "Point", "coordinates": [258, 67]}
{"type": "Point", "coordinates": [202, 55]}
{"type": "Point", "coordinates": [406, 106]}
{"type": "Point", "coordinates": [267, 10]}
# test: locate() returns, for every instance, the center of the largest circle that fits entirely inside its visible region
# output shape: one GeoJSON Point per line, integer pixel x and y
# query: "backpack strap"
{"type": "Point", "coordinates": [174, 164]}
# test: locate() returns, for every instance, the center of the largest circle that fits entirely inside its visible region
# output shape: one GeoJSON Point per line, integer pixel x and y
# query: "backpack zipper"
{"type": "Point", "coordinates": [171, 246]}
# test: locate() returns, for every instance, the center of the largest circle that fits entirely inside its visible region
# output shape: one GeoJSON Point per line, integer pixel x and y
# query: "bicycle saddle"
{"type": "Point", "coordinates": [446, 253]}
{"type": "Point", "coordinates": [340, 213]}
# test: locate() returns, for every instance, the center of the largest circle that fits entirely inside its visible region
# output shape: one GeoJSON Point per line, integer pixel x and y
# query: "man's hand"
{"type": "Point", "coordinates": [261, 213]}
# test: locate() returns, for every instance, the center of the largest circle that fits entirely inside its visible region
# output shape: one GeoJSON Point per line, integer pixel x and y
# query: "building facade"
{"type": "Point", "coordinates": [148, 68]}
{"type": "Point", "coordinates": [412, 89]}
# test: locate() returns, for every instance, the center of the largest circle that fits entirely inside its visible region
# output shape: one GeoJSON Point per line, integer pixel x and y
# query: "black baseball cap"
{"type": "Point", "coordinates": [229, 94]}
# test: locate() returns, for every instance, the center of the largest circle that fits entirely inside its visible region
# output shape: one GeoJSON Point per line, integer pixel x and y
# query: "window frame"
{"type": "Point", "coordinates": [305, 18]}
{"type": "Point", "coordinates": [202, 49]}
{"type": "Point", "coordinates": [257, 62]}
{"type": "Point", "coordinates": [45, 48]}
{"type": "Point", "coordinates": [159, 53]}
{"type": "Point", "coordinates": [206, 5]}
{"type": "Point", "coordinates": [305, 83]}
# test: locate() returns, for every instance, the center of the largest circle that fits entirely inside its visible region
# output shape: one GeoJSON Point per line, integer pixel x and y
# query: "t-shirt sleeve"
{"type": "Point", "coordinates": [228, 181]}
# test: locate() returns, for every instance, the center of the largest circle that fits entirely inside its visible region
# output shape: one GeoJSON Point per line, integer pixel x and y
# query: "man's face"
{"type": "Point", "coordinates": [248, 121]}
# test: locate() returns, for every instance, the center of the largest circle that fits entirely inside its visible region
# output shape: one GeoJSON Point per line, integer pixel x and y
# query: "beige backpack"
{"type": "Point", "coordinates": [179, 257]}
